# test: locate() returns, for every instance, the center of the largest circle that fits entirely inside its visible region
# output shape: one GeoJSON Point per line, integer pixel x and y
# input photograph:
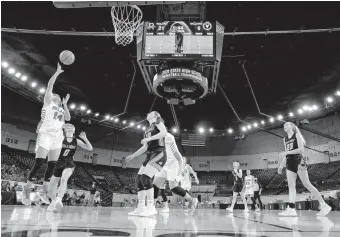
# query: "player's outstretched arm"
{"type": "Point", "coordinates": [162, 133]}
{"type": "Point", "coordinates": [140, 151]}
{"type": "Point", "coordinates": [49, 89]}
{"type": "Point", "coordinates": [87, 145]}
{"type": "Point", "coordinates": [67, 112]}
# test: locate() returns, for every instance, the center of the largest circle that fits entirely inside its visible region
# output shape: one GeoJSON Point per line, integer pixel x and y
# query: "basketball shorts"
{"type": "Point", "coordinates": [248, 192]}
{"type": "Point", "coordinates": [237, 188]}
{"type": "Point", "coordinates": [49, 141]}
{"type": "Point", "coordinates": [154, 162]}
{"type": "Point", "coordinates": [296, 162]}
{"type": "Point", "coordinates": [60, 167]}
{"type": "Point", "coordinates": [170, 171]}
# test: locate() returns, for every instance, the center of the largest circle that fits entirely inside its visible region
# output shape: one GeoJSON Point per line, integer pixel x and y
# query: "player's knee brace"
{"type": "Point", "coordinates": [36, 166]}
{"type": "Point", "coordinates": [49, 171]}
{"type": "Point", "coordinates": [179, 191]}
{"type": "Point", "coordinates": [146, 181]}
{"type": "Point", "coordinates": [139, 183]}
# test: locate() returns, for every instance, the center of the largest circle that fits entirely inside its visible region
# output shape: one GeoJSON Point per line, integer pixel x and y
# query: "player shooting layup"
{"type": "Point", "coordinates": [50, 138]}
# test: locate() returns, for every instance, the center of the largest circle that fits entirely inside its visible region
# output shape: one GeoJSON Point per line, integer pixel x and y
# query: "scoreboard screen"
{"type": "Point", "coordinates": [177, 39]}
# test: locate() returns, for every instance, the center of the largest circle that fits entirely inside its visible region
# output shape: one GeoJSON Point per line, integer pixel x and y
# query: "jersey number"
{"type": "Point", "coordinates": [289, 146]}
{"type": "Point", "coordinates": [57, 117]}
{"type": "Point", "coordinates": [66, 152]}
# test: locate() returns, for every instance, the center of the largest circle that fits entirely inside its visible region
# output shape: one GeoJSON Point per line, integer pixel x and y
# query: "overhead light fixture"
{"type": "Point", "coordinates": [17, 75]}
{"type": "Point", "coordinates": [230, 130]}
{"type": "Point", "coordinates": [132, 124]}
{"type": "Point", "coordinates": [279, 117]}
{"type": "Point", "coordinates": [249, 126]}
{"type": "Point", "coordinates": [244, 128]}
{"type": "Point", "coordinates": [107, 117]}
{"type": "Point", "coordinates": [11, 70]}
{"type": "Point", "coordinates": [143, 128]}
{"type": "Point", "coordinates": [72, 106]}
{"type": "Point", "coordinates": [174, 130]}
{"type": "Point", "coordinates": [24, 78]}
{"type": "Point", "coordinates": [329, 99]}
{"type": "Point", "coordinates": [88, 111]}
{"type": "Point", "coordinates": [271, 120]}
{"type": "Point", "coordinates": [138, 126]}
{"type": "Point", "coordinates": [291, 114]}
{"type": "Point", "coordinates": [116, 120]}
{"type": "Point", "coordinates": [83, 107]}
{"type": "Point", "coordinates": [255, 125]}
{"type": "Point", "coordinates": [4, 64]}
{"type": "Point", "coordinates": [201, 130]}
{"type": "Point", "coordinates": [263, 122]}
{"type": "Point", "coordinates": [33, 84]}
{"type": "Point", "coordinates": [124, 122]}
{"type": "Point", "coordinates": [111, 118]}
{"type": "Point", "coordinates": [337, 93]}
{"type": "Point", "coordinates": [305, 107]}
{"type": "Point", "coordinates": [97, 114]}
{"type": "Point", "coordinates": [211, 130]}
{"type": "Point", "coordinates": [42, 90]}
{"type": "Point", "coordinates": [300, 111]}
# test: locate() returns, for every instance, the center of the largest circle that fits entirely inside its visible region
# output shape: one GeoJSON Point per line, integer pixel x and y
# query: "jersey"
{"type": "Point", "coordinates": [173, 154]}
{"type": "Point", "coordinates": [249, 181]}
{"type": "Point", "coordinates": [154, 144]}
{"type": "Point", "coordinates": [291, 144]}
{"type": "Point", "coordinates": [236, 178]}
{"type": "Point", "coordinates": [186, 173]}
{"type": "Point", "coordinates": [52, 118]}
{"type": "Point", "coordinates": [67, 151]}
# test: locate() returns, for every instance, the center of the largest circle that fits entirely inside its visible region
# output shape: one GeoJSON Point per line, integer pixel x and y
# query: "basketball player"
{"type": "Point", "coordinates": [171, 170]}
{"type": "Point", "coordinates": [65, 166]}
{"type": "Point", "coordinates": [296, 165]}
{"type": "Point", "coordinates": [153, 144]}
{"type": "Point", "coordinates": [238, 187]}
{"type": "Point", "coordinates": [186, 180]}
{"type": "Point", "coordinates": [257, 193]}
{"type": "Point", "coordinates": [50, 138]}
{"type": "Point", "coordinates": [249, 185]}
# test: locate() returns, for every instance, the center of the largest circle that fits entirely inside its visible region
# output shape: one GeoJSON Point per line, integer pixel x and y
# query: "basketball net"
{"type": "Point", "coordinates": [125, 20]}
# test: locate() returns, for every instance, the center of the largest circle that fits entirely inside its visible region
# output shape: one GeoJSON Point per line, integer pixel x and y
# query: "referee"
{"type": "Point", "coordinates": [257, 193]}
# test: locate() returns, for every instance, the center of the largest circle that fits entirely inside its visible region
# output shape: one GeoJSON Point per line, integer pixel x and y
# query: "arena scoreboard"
{"type": "Point", "coordinates": [178, 40]}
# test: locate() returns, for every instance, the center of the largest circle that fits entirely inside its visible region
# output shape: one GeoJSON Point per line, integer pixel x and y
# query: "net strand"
{"type": "Point", "coordinates": [125, 21]}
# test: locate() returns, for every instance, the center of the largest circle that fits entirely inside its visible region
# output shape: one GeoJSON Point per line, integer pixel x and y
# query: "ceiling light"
{"type": "Point", "coordinates": [124, 122]}
{"type": "Point", "coordinates": [329, 99]}
{"type": "Point", "coordinates": [291, 114]}
{"type": "Point", "coordinates": [279, 117]}
{"type": "Point", "coordinates": [18, 74]}
{"type": "Point", "coordinates": [300, 111]}
{"type": "Point", "coordinates": [244, 128]}
{"type": "Point", "coordinates": [111, 118]}
{"type": "Point", "coordinates": [42, 90]}
{"type": "Point", "coordinates": [255, 125]}
{"type": "Point", "coordinates": [337, 93]}
{"type": "Point", "coordinates": [4, 64]}
{"type": "Point", "coordinates": [211, 130]}
{"type": "Point", "coordinates": [143, 128]}
{"type": "Point", "coordinates": [249, 126]}
{"type": "Point", "coordinates": [33, 84]}
{"type": "Point", "coordinates": [83, 107]}
{"type": "Point", "coordinates": [97, 114]}
{"type": "Point", "coordinates": [88, 111]}
{"type": "Point", "coordinates": [201, 130]}
{"type": "Point", "coordinates": [116, 120]}
{"type": "Point", "coordinates": [23, 78]}
{"type": "Point", "coordinates": [230, 130]}
{"type": "Point", "coordinates": [107, 117]}
{"type": "Point", "coordinates": [11, 71]}
{"type": "Point", "coordinates": [271, 120]}
{"type": "Point", "coordinates": [138, 126]}
{"type": "Point", "coordinates": [132, 124]}
{"type": "Point", "coordinates": [72, 106]}
{"type": "Point", "coordinates": [263, 122]}
{"type": "Point", "coordinates": [174, 130]}
{"type": "Point", "coordinates": [305, 107]}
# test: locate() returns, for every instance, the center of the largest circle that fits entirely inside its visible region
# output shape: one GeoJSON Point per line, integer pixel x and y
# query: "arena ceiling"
{"type": "Point", "coordinates": [285, 70]}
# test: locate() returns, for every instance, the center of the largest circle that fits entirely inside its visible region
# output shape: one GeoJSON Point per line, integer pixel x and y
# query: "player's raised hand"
{"type": "Point", "coordinates": [65, 100]}
{"type": "Point", "coordinates": [82, 135]}
{"type": "Point", "coordinates": [59, 69]}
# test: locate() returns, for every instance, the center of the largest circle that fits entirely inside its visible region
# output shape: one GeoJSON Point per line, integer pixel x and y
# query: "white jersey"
{"type": "Point", "coordinates": [186, 174]}
{"type": "Point", "coordinates": [249, 181]}
{"type": "Point", "coordinates": [172, 152]}
{"type": "Point", "coordinates": [52, 118]}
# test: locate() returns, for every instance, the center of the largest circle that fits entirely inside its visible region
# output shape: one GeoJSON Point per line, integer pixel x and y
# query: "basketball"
{"type": "Point", "coordinates": [66, 57]}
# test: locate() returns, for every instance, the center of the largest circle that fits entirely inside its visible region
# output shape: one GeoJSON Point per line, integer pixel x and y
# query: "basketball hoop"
{"type": "Point", "coordinates": [125, 19]}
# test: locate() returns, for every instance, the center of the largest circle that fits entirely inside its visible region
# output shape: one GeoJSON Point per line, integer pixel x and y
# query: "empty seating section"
{"type": "Point", "coordinates": [212, 177]}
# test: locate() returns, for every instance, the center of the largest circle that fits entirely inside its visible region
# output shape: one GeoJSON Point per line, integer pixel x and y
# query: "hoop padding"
{"type": "Point", "coordinates": [125, 20]}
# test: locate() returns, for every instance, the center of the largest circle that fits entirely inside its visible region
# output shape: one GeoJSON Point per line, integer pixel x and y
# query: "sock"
{"type": "Point", "coordinates": [149, 195]}
{"type": "Point", "coordinates": [45, 186]}
{"type": "Point", "coordinates": [292, 205]}
{"type": "Point", "coordinates": [141, 198]}
{"type": "Point", "coordinates": [49, 171]}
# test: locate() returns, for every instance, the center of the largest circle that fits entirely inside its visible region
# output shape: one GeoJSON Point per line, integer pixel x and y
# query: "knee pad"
{"type": "Point", "coordinates": [139, 183]}
{"type": "Point", "coordinates": [146, 181]}
{"type": "Point", "coordinates": [49, 171]}
{"type": "Point", "coordinates": [179, 191]}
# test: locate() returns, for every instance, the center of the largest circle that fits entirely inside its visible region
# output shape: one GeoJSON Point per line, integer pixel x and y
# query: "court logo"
{"type": "Point", "coordinates": [207, 25]}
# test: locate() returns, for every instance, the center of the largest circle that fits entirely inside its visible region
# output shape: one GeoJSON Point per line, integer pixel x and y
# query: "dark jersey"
{"type": "Point", "coordinates": [237, 179]}
{"type": "Point", "coordinates": [67, 151]}
{"type": "Point", "coordinates": [291, 144]}
{"type": "Point", "coordinates": [154, 144]}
